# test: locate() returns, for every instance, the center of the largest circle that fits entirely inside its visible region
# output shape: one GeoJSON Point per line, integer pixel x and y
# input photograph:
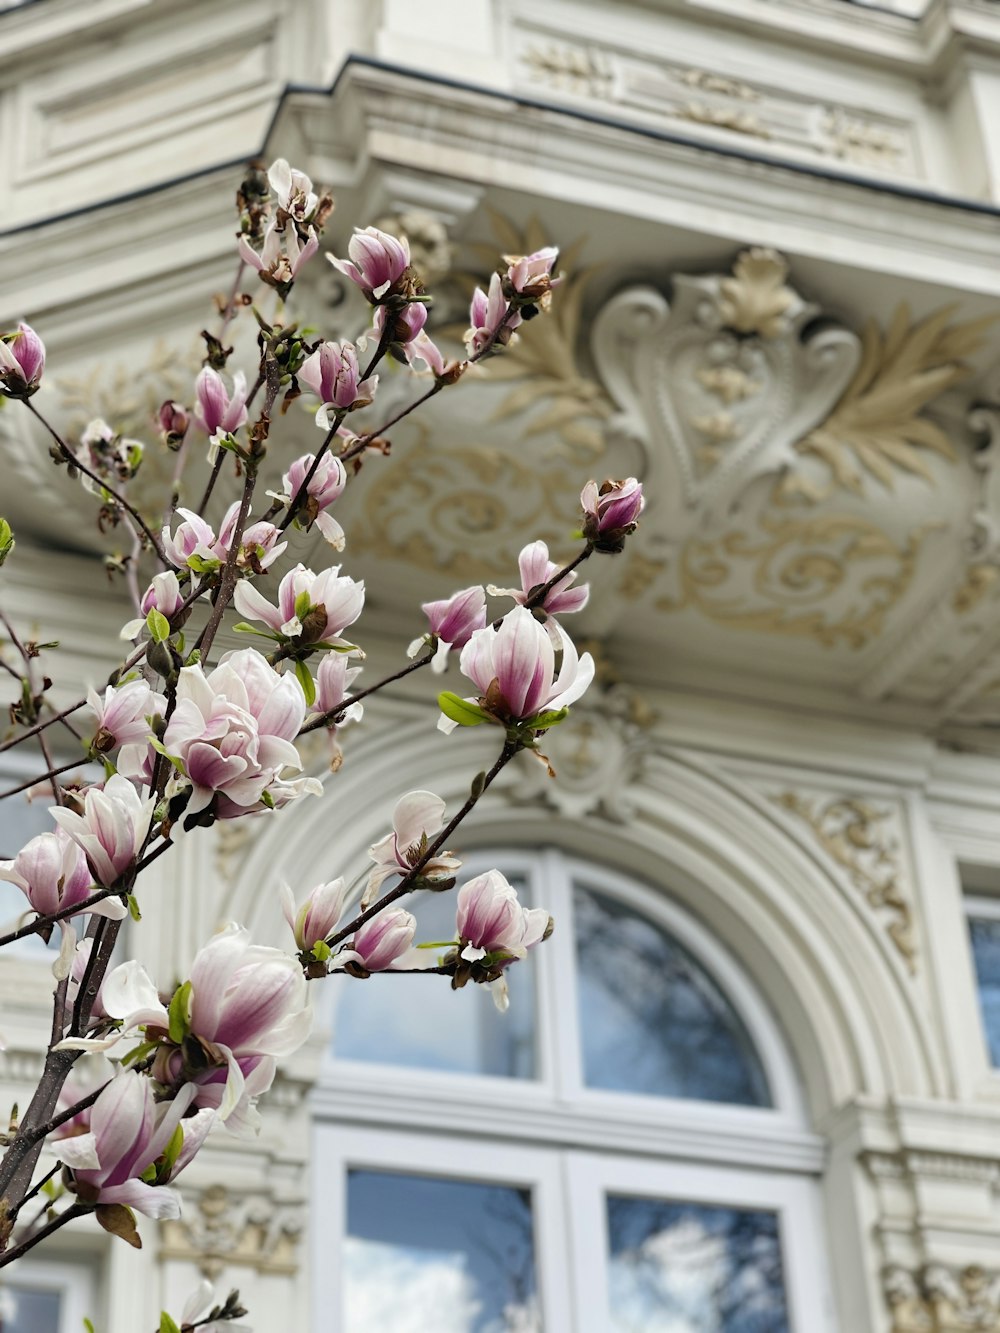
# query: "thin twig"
{"type": "Point", "coordinates": [42, 777]}
{"type": "Point", "coordinates": [327, 718]}
{"type": "Point", "coordinates": [35, 1190]}
{"type": "Point", "coordinates": [405, 885]}
{"type": "Point", "coordinates": [119, 499]}
{"type": "Point", "coordinates": [40, 726]}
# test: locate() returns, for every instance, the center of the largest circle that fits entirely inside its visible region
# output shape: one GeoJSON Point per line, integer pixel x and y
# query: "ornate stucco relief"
{"type": "Point", "coordinates": [804, 125]}
{"type": "Point", "coordinates": [939, 1298]}
{"type": "Point", "coordinates": [221, 1228]}
{"type": "Point", "coordinates": [862, 838]}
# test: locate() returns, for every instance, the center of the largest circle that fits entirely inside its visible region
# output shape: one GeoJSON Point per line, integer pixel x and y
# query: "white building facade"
{"type": "Point", "coordinates": [752, 1084]}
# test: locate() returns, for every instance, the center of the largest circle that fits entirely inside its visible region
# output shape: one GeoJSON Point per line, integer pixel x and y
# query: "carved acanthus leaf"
{"type": "Point", "coordinates": [756, 299]}
{"type": "Point", "coordinates": [551, 387]}
{"type": "Point", "coordinates": [880, 425]}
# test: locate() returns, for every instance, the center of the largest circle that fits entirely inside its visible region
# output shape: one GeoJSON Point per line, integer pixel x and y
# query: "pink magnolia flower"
{"type": "Point", "coordinates": [163, 595]}
{"type": "Point", "coordinates": [514, 668]}
{"type": "Point", "coordinates": [282, 254]}
{"type": "Point", "coordinates": [174, 422]}
{"type": "Point", "coordinates": [111, 829]}
{"type": "Point", "coordinates": [536, 569]}
{"type": "Point", "coordinates": [611, 512]}
{"type": "Point", "coordinates": [531, 275]}
{"type": "Point", "coordinates": [381, 943]}
{"type": "Point", "coordinates": [215, 410]}
{"type": "Point", "coordinates": [491, 320]}
{"type": "Point", "coordinates": [293, 190]}
{"type": "Point", "coordinates": [248, 1006]}
{"type": "Point", "coordinates": [453, 621]}
{"type": "Point", "coordinates": [417, 818]}
{"type": "Point", "coordinates": [52, 873]}
{"type": "Point", "coordinates": [232, 730]}
{"type": "Point", "coordinates": [129, 1133]}
{"type": "Point", "coordinates": [333, 676]}
{"type": "Point", "coordinates": [194, 539]}
{"type": "Point", "coordinates": [22, 360]}
{"type": "Point", "coordinates": [122, 719]}
{"type": "Point", "coordinates": [259, 546]}
{"type": "Point", "coordinates": [313, 608]}
{"type": "Point", "coordinates": [203, 1303]}
{"type": "Point", "coordinates": [333, 375]}
{"type": "Point", "coordinates": [377, 261]}
{"type": "Point", "coordinates": [325, 485]}
{"type": "Point", "coordinates": [489, 919]}
{"type": "Point", "coordinates": [318, 916]}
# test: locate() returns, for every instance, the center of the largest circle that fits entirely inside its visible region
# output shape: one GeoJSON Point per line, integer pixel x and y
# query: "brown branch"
{"type": "Point", "coordinates": [41, 777]}
{"type": "Point", "coordinates": [74, 1211]}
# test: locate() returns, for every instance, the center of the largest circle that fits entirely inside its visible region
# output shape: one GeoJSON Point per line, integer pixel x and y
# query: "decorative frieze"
{"type": "Point", "coordinates": [220, 1229]}
{"type": "Point", "coordinates": [939, 1298]}
{"type": "Point", "coordinates": [801, 124]}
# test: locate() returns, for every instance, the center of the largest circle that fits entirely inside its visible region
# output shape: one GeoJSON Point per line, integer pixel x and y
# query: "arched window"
{"type": "Point", "coordinates": [624, 1150]}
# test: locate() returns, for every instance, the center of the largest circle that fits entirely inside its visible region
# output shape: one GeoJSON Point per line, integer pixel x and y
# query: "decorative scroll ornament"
{"type": "Point", "coordinates": [830, 578]}
{"type": "Point", "coordinates": [598, 756]}
{"type": "Point", "coordinates": [718, 386]}
{"type": "Point", "coordinates": [853, 833]}
{"type": "Point", "coordinates": [942, 1299]}
{"type": "Point", "coordinates": [221, 1229]}
{"type": "Point", "coordinates": [441, 505]}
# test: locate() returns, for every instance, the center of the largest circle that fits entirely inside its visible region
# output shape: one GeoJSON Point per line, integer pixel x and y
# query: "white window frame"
{"type": "Point", "coordinates": [984, 907]}
{"type": "Point", "coordinates": [552, 1133]}
{"type": "Point", "coordinates": [73, 1279]}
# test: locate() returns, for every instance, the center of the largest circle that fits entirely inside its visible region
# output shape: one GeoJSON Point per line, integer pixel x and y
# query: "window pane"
{"type": "Point", "coordinates": [29, 1310]}
{"type": "Point", "coordinates": [685, 1268]}
{"type": "Point", "coordinates": [652, 1020]}
{"type": "Point", "coordinates": [422, 1023]}
{"type": "Point", "coordinates": [438, 1256]}
{"type": "Point", "coordinates": [985, 932]}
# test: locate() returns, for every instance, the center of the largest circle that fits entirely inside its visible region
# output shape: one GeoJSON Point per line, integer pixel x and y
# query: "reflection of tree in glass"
{"type": "Point", "coordinates": [687, 1268]}
{"type": "Point", "coordinates": [986, 952]}
{"type": "Point", "coordinates": [486, 1231]}
{"type": "Point", "coordinates": [651, 1018]}
{"type": "Point", "coordinates": [415, 1022]}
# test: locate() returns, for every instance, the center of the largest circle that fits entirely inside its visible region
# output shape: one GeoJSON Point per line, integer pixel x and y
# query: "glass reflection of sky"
{"type": "Point", "coordinates": [651, 1019]}
{"type": "Point", "coordinates": [421, 1023]}
{"type": "Point", "coordinates": [985, 934]}
{"type": "Point", "coordinates": [438, 1256]}
{"type": "Point", "coordinates": [20, 821]}
{"type": "Point", "coordinates": [29, 1310]}
{"type": "Point", "coordinates": [686, 1268]}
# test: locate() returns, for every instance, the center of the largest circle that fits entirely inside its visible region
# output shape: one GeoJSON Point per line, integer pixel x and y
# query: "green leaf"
{"type": "Point", "coordinates": [542, 721]}
{"type": "Point", "coordinates": [139, 1052]}
{"type": "Point", "coordinates": [6, 540]}
{"type": "Point", "coordinates": [460, 710]}
{"type": "Point", "coordinates": [167, 1325]}
{"type": "Point", "coordinates": [304, 677]}
{"type": "Point", "coordinates": [179, 1013]}
{"type": "Point", "coordinates": [158, 626]}
{"type": "Point", "coordinates": [244, 628]}
{"type": "Point", "coordinates": [172, 1151]}
{"type": "Point", "coordinates": [321, 951]}
{"type": "Point", "coordinates": [160, 748]}
{"type": "Point", "coordinates": [267, 799]}
{"type": "Point", "coordinates": [302, 605]}
{"type": "Point", "coordinates": [133, 908]}
{"type": "Point", "coordinates": [89, 1327]}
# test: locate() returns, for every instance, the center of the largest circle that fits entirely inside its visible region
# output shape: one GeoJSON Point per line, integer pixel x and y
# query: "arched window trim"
{"type": "Point", "coordinates": [556, 1106]}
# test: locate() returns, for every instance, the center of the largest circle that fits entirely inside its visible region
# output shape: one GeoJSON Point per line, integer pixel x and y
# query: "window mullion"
{"type": "Point", "coordinates": [559, 1007]}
